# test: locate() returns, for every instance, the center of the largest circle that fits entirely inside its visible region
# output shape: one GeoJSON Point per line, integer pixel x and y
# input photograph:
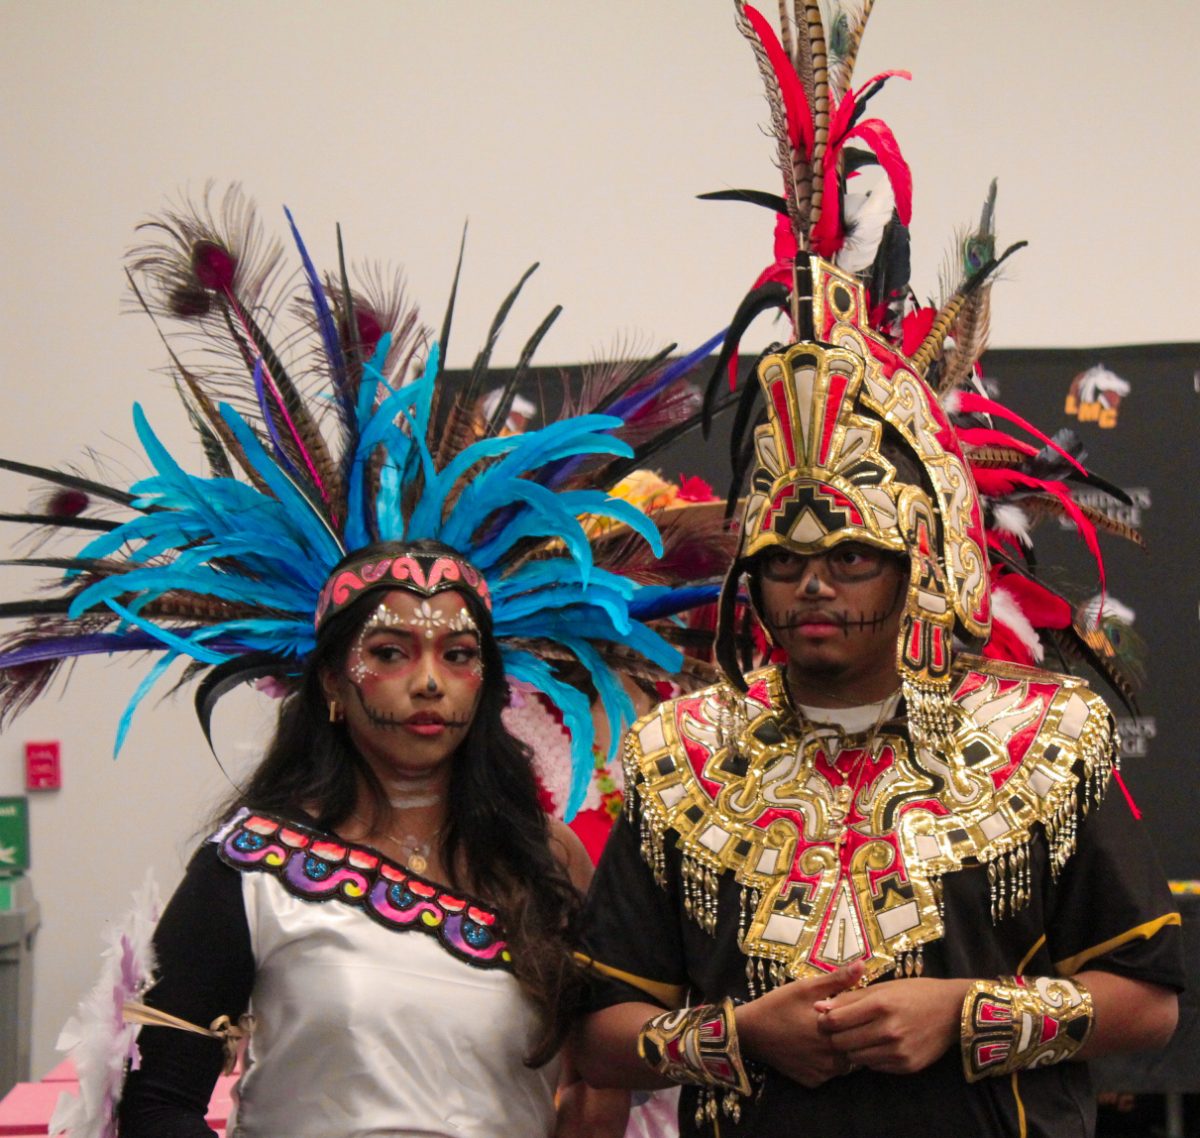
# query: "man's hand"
{"type": "Point", "coordinates": [781, 1028]}
{"type": "Point", "coordinates": [898, 1026]}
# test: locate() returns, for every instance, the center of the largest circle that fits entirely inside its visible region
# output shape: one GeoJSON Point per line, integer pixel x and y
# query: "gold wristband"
{"type": "Point", "coordinates": [1020, 1022]}
{"type": "Point", "coordinates": [696, 1045]}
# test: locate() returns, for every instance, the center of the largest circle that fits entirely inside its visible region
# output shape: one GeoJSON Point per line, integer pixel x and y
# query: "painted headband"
{"type": "Point", "coordinates": [424, 574]}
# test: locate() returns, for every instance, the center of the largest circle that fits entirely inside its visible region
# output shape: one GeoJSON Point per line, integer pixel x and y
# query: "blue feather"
{"type": "Point", "coordinates": [148, 681]}
{"type": "Point", "coordinates": [558, 573]}
{"type": "Point", "coordinates": [634, 401]}
{"type": "Point", "coordinates": [85, 644]}
{"type": "Point", "coordinates": [268, 417]}
{"type": "Point", "coordinates": [618, 707]}
{"type": "Point", "coordinates": [181, 645]}
{"type": "Point", "coordinates": [321, 540]}
{"type": "Point", "coordinates": [356, 532]}
{"type": "Point", "coordinates": [576, 713]}
{"type": "Point", "coordinates": [655, 601]}
{"type": "Point", "coordinates": [325, 322]}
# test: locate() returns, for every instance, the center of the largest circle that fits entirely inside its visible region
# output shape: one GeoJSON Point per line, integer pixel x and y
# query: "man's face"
{"type": "Point", "coordinates": [836, 615]}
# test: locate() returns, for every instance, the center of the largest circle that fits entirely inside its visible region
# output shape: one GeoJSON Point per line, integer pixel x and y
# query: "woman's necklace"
{"type": "Point", "coordinates": [414, 851]}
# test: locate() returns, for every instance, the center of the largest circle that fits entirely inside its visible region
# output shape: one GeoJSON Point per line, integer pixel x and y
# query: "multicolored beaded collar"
{"type": "Point", "coordinates": [317, 867]}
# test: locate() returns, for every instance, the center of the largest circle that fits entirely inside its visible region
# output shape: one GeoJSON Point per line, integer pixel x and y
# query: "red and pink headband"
{"type": "Point", "coordinates": [422, 573]}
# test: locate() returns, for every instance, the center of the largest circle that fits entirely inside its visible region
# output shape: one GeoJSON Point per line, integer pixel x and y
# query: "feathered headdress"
{"type": "Point", "coordinates": [327, 427]}
{"type": "Point", "coordinates": [878, 427]}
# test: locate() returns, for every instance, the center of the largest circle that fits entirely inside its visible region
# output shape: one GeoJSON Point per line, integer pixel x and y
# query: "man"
{"type": "Point", "coordinates": [881, 889]}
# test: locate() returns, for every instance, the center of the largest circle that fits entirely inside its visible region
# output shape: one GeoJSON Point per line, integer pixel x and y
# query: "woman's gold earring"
{"type": "Point", "coordinates": [335, 712]}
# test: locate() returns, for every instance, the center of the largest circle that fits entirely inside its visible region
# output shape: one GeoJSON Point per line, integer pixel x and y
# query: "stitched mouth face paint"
{"type": "Point", "coordinates": [837, 616]}
{"type": "Point", "coordinates": [388, 721]}
{"type": "Point", "coordinates": [800, 619]}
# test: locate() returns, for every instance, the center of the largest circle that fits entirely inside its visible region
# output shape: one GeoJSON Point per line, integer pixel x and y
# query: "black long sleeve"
{"type": "Point", "coordinates": [205, 969]}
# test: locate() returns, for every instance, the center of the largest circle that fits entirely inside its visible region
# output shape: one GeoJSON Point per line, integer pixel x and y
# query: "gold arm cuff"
{"type": "Point", "coordinates": [222, 1028]}
{"type": "Point", "coordinates": [696, 1045]}
{"type": "Point", "coordinates": [1020, 1022]}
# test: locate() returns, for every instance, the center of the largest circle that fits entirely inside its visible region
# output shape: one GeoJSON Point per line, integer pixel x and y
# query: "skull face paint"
{"type": "Point", "coordinates": [410, 683]}
{"type": "Point", "coordinates": [837, 616]}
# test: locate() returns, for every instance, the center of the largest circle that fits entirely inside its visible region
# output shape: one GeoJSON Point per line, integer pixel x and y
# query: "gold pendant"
{"type": "Point", "coordinates": [417, 862]}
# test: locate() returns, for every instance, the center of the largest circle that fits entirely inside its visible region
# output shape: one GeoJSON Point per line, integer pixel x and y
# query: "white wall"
{"type": "Point", "coordinates": [574, 133]}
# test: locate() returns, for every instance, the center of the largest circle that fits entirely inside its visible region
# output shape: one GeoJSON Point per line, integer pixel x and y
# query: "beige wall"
{"type": "Point", "coordinates": [572, 133]}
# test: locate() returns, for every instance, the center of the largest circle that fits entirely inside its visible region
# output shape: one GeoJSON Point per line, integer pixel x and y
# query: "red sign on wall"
{"type": "Point", "coordinates": [43, 771]}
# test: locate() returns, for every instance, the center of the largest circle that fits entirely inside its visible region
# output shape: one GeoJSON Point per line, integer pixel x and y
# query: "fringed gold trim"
{"type": "Point", "coordinates": [930, 716]}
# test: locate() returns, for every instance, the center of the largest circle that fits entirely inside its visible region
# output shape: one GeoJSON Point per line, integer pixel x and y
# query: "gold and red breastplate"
{"type": "Point", "coordinates": [839, 843]}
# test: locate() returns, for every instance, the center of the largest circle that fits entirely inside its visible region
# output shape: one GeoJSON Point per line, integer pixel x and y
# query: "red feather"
{"type": "Point", "coordinates": [982, 437]}
{"type": "Point", "coordinates": [998, 482]}
{"type": "Point", "coordinates": [799, 116]}
{"type": "Point", "coordinates": [972, 401]}
{"type": "Point", "coordinates": [1004, 644]}
{"type": "Point", "coordinates": [786, 248]}
{"type": "Point", "coordinates": [827, 234]}
{"type": "Point", "coordinates": [1133, 809]}
{"type": "Point", "coordinates": [915, 327]}
{"type": "Point", "coordinates": [1041, 606]}
{"type": "Point", "coordinates": [878, 136]}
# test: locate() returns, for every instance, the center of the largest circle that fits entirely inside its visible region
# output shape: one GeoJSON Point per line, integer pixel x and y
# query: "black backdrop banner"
{"type": "Point", "coordinates": [1135, 409]}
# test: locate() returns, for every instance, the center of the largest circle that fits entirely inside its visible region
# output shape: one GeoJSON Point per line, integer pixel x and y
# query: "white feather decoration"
{"type": "Point", "coordinates": [531, 722]}
{"type": "Point", "coordinates": [1011, 519]}
{"type": "Point", "coordinates": [1111, 608]}
{"type": "Point", "coordinates": [1006, 611]}
{"type": "Point", "coordinates": [99, 1040]}
{"type": "Point", "coordinates": [866, 217]}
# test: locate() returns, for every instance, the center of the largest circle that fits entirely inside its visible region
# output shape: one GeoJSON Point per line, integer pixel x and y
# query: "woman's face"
{"type": "Point", "coordinates": [411, 682]}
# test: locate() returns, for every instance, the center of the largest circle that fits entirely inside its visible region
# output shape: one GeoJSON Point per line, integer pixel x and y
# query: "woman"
{"type": "Point", "coordinates": [384, 894]}
{"type": "Point", "coordinates": [407, 958]}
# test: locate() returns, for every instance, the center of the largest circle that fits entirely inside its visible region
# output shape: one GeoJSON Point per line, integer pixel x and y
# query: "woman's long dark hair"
{"type": "Point", "coordinates": [496, 834]}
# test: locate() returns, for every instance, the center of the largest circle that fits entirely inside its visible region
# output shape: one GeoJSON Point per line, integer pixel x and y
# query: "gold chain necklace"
{"type": "Point", "coordinates": [414, 851]}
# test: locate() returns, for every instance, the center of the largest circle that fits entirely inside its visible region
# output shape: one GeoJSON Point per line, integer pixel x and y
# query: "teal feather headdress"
{"type": "Point", "coordinates": [316, 451]}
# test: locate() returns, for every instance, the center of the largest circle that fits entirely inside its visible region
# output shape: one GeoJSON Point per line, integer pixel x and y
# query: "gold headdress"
{"type": "Point", "coordinates": [876, 425]}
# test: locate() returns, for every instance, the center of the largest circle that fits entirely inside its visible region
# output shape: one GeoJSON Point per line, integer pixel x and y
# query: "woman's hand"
{"type": "Point", "coordinates": [782, 1028]}
{"type": "Point", "coordinates": [897, 1026]}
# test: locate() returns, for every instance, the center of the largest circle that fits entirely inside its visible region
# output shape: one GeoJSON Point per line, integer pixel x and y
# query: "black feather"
{"type": "Point", "coordinates": [474, 388]}
{"type": "Point", "coordinates": [1073, 643]}
{"type": "Point", "coordinates": [636, 375]}
{"type": "Point", "coordinates": [617, 470]}
{"type": "Point", "coordinates": [725, 647]}
{"type": "Point", "coordinates": [71, 481]}
{"type": "Point", "coordinates": [101, 524]}
{"type": "Point", "coordinates": [51, 606]}
{"type": "Point", "coordinates": [508, 394]}
{"type": "Point", "coordinates": [225, 677]}
{"type": "Point", "coordinates": [756, 302]}
{"type": "Point", "coordinates": [773, 202]}
{"type": "Point", "coordinates": [444, 404]}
